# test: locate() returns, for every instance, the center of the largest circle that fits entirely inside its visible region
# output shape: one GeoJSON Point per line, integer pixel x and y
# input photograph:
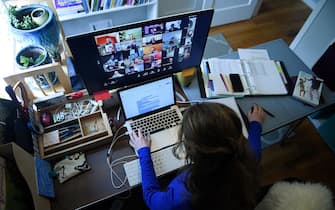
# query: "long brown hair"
{"type": "Point", "coordinates": [223, 171]}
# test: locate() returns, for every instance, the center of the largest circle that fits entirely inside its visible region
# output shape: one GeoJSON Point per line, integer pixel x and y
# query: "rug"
{"type": "Point", "coordinates": [218, 46]}
{"type": "Point", "coordinates": [297, 196]}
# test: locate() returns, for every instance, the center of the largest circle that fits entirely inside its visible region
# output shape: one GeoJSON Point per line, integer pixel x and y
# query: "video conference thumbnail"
{"type": "Point", "coordinates": [151, 48]}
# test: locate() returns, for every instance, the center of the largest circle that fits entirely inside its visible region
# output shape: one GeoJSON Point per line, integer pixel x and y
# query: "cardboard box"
{"type": "Point", "coordinates": [26, 165]}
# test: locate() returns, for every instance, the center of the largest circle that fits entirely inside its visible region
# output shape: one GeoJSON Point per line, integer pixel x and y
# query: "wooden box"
{"type": "Point", "coordinates": [74, 135]}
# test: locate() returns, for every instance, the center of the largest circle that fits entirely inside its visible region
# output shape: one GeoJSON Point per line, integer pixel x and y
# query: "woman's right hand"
{"type": "Point", "coordinates": [257, 114]}
{"type": "Point", "coordinates": [138, 140]}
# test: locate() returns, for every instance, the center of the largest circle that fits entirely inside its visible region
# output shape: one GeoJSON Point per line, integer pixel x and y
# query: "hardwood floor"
{"type": "Point", "coordinates": [305, 155]}
{"type": "Point", "coordinates": [275, 19]}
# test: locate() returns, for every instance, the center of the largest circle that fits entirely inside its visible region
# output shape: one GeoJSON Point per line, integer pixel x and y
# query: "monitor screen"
{"type": "Point", "coordinates": [132, 53]}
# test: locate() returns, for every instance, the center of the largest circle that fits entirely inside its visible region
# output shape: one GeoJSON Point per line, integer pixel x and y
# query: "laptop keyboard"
{"type": "Point", "coordinates": [157, 122]}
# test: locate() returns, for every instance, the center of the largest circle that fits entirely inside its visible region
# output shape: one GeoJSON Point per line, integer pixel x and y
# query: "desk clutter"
{"type": "Point", "coordinates": [72, 125]}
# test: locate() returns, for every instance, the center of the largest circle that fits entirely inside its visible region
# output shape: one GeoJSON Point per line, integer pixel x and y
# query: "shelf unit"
{"type": "Point", "coordinates": [87, 22]}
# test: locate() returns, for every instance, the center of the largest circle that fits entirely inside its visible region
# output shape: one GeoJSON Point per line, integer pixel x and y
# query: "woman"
{"type": "Point", "coordinates": [222, 165]}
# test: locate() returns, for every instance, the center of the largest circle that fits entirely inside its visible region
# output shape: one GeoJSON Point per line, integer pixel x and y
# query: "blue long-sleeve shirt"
{"type": "Point", "coordinates": [176, 196]}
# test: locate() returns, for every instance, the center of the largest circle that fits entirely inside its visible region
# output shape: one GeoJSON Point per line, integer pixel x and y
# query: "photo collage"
{"type": "Point", "coordinates": [145, 50]}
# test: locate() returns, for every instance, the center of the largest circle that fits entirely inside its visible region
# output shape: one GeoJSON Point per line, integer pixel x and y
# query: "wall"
{"type": "Point", "coordinates": [177, 6]}
{"type": "Point", "coordinates": [317, 33]}
{"type": "Point", "coordinates": [311, 3]}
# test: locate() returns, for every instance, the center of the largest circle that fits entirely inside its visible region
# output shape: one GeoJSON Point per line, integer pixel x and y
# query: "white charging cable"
{"type": "Point", "coordinates": [117, 162]}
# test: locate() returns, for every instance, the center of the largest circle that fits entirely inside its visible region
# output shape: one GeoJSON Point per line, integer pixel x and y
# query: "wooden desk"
{"type": "Point", "coordinates": [95, 185]}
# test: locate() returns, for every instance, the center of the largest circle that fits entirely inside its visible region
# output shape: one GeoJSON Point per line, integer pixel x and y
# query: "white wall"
{"type": "Point", "coordinates": [229, 11]}
{"type": "Point", "coordinates": [169, 7]}
{"type": "Point", "coordinates": [311, 3]}
{"type": "Point", "coordinates": [317, 33]}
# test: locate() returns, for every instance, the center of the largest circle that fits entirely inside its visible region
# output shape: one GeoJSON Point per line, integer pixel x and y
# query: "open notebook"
{"type": "Point", "coordinates": [254, 77]}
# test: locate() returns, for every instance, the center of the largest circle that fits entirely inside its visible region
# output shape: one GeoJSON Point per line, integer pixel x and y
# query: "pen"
{"type": "Point", "coordinates": [208, 68]}
{"type": "Point", "coordinates": [224, 82]}
{"type": "Point", "coordinates": [267, 112]}
{"type": "Point", "coordinates": [230, 88]}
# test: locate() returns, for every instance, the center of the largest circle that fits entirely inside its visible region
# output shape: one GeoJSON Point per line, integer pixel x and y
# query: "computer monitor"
{"type": "Point", "coordinates": [132, 53]}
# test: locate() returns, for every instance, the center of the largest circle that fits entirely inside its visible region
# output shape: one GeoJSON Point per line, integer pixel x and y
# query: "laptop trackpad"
{"type": "Point", "coordinates": [164, 138]}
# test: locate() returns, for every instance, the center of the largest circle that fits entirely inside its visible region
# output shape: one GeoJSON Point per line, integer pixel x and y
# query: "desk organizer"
{"type": "Point", "coordinates": [76, 133]}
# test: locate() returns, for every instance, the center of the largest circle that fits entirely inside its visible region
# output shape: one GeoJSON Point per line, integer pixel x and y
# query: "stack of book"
{"type": "Point", "coordinates": [71, 7]}
{"type": "Point", "coordinates": [68, 7]}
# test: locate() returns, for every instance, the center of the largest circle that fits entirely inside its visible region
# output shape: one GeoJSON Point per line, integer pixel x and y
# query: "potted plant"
{"type": "Point", "coordinates": [31, 56]}
{"type": "Point", "coordinates": [39, 16]}
{"type": "Point", "coordinates": [35, 24]}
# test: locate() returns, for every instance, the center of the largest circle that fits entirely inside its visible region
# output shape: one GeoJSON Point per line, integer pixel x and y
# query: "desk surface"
{"type": "Point", "coordinates": [286, 109]}
{"type": "Point", "coordinates": [95, 185]}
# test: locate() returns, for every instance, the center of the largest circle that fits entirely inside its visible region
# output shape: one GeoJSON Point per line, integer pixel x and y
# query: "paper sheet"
{"type": "Point", "coordinates": [253, 54]}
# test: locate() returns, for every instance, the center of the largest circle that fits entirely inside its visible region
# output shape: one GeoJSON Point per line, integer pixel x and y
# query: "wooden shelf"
{"type": "Point", "coordinates": [82, 23]}
{"type": "Point", "coordinates": [28, 78]}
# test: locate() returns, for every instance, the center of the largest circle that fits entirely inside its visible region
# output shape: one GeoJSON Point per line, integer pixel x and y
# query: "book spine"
{"type": "Point", "coordinates": [106, 5]}
{"type": "Point", "coordinates": [96, 5]}
{"type": "Point", "coordinates": [64, 8]}
{"type": "Point", "coordinates": [92, 5]}
{"type": "Point", "coordinates": [86, 6]}
{"type": "Point", "coordinates": [101, 4]}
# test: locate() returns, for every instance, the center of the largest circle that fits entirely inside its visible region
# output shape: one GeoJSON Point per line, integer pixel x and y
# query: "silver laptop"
{"type": "Point", "coordinates": [151, 107]}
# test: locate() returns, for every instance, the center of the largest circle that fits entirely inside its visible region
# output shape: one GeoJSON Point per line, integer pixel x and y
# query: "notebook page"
{"type": "Point", "coordinates": [265, 77]}
{"type": "Point", "coordinates": [220, 70]}
{"type": "Point", "coordinates": [253, 54]}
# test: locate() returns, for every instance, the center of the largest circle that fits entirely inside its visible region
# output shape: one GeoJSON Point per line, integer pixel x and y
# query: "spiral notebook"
{"type": "Point", "coordinates": [235, 77]}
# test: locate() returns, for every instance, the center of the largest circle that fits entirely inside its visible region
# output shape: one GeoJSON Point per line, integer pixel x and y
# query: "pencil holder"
{"type": "Point", "coordinates": [185, 77]}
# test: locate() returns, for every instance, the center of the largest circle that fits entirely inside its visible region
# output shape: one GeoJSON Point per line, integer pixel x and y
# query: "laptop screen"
{"type": "Point", "coordinates": [147, 98]}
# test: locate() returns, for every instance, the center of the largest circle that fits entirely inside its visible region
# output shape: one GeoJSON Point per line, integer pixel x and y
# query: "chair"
{"type": "Point", "coordinates": [326, 131]}
{"type": "Point", "coordinates": [286, 195]}
{"type": "Point", "coordinates": [24, 162]}
{"type": "Point", "coordinates": [325, 67]}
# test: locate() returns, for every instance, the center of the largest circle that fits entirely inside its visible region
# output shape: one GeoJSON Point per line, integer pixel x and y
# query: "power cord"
{"type": "Point", "coordinates": [117, 162]}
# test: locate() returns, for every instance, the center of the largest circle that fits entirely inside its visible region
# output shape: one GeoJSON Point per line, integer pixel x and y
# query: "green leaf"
{"type": "Point", "coordinates": [27, 22]}
{"type": "Point", "coordinates": [39, 59]}
{"type": "Point", "coordinates": [25, 60]}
